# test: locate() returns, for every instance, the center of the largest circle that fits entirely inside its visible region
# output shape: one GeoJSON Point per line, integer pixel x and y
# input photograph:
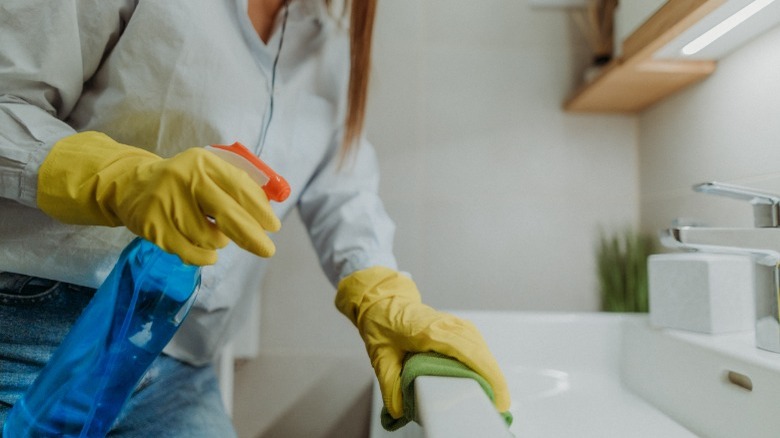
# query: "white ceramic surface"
{"type": "Point", "coordinates": [613, 375]}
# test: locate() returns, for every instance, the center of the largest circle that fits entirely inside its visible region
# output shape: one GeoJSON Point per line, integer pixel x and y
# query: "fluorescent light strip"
{"type": "Point", "coordinates": [724, 26]}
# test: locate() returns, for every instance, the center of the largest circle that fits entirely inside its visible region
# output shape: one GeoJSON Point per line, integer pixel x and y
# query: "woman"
{"type": "Point", "coordinates": [104, 105]}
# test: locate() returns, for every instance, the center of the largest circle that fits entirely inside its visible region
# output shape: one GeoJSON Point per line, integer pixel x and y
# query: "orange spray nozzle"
{"type": "Point", "coordinates": [275, 186]}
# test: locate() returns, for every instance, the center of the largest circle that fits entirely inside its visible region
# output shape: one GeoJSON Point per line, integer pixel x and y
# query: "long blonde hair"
{"type": "Point", "coordinates": [361, 13]}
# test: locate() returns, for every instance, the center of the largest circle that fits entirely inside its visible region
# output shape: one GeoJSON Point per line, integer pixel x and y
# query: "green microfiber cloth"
{"type": "Point", "coordinates": [430, 364]}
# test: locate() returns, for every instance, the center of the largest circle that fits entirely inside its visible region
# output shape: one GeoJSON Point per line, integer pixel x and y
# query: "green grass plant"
{"type": "Point", "coordinates": [622, 271]}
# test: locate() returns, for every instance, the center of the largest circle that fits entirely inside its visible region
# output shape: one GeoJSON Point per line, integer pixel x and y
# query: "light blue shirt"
{"type": "Point", "coordinates": [167, 76]}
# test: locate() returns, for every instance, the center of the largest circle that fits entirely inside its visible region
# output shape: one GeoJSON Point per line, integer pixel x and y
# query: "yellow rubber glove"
{"type": "Point", "coordinates": [90, 179]}
{"type": "Point", "coordinates": [386, 308]}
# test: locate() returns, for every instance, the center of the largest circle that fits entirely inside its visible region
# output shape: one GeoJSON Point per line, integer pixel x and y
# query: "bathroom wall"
{"type": "Point", "coordinates": [723, 129]}
{"type": "Point", "coordinates": [498, 196]}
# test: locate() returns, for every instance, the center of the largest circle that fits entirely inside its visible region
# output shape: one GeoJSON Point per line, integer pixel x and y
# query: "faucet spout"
{"type": "Point", "coordinates": [766, 206]}
{"type": "Point", "coordinates": [763, 244]}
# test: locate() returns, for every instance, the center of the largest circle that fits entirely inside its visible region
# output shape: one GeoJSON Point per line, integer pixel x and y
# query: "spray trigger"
{"type": "Point", "coordinates": [275, 186]}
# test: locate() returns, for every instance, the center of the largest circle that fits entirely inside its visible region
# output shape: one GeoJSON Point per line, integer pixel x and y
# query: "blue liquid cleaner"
{"type": "Point", "coordinates": [126, 325]}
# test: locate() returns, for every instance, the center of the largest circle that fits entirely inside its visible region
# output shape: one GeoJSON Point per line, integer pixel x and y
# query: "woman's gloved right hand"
{"type": "Point", "coordinates": [90, 179]}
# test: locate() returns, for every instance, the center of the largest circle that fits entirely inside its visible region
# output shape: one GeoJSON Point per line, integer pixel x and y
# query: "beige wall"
{"type": "Point", "coordinates": [725, 129]}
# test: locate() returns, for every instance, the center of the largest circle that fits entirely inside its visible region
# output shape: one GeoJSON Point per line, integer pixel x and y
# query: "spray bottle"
{"type": "Point", "coordinates": [126, 325]}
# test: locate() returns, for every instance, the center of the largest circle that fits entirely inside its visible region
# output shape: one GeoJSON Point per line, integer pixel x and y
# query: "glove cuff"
{"type": "Point", "coordinates": [73, 174]}
{"type": "Point", "coordinates": [361, 289]}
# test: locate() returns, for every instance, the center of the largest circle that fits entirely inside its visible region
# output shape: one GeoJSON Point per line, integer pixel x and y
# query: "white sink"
{"type": "Point", "coordinates": [608, 375]}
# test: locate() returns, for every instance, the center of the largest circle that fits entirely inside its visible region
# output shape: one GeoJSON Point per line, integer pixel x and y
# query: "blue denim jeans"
{"type": "Point", "coordinates": [173, 398]}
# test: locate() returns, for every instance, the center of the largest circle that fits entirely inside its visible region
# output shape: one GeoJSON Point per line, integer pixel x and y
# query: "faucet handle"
{"type": "Point", "coordinates": [766, 206]}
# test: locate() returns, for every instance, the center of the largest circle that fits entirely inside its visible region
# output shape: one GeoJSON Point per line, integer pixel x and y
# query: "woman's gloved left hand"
{"type": "Point", "coordinates": [386, 308]}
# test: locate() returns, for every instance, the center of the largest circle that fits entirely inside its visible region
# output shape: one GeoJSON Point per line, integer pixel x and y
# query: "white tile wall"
{"type": "Point", "coordinates": [498, 195]}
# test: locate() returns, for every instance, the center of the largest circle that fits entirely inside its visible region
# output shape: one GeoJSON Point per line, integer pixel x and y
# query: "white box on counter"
{"type": "Point", "coordinates": [702, 292]}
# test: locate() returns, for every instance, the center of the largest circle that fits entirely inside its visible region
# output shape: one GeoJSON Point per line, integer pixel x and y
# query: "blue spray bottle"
{"type": "Point", "coordinates": [126, 325]}
{"type": "Point", "coordinates": [92, 373]}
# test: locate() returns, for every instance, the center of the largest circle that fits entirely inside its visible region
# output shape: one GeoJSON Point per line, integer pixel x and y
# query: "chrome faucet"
{"type": "Point", "coordinates": [761, 242]}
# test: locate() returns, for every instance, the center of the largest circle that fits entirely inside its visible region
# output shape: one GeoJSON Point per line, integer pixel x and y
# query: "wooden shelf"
{"type": "Point", "coordinates": [635, 80]}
